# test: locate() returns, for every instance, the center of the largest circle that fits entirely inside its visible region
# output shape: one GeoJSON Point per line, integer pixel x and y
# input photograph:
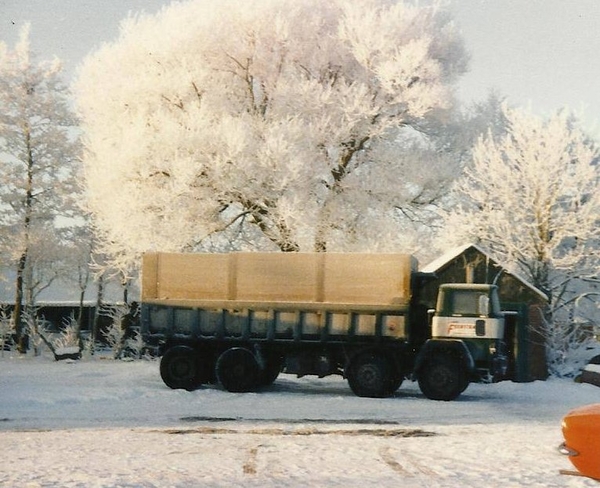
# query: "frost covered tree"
{"type": "Point", "coordinates": [267, 123]}
{"type": "Point", "coordinates": [532, 198]}
{"type": "Point", "coordinates": [450, 143]}
{"type": "Point", "coordinates": [39, 154]}
{"type": "Point", "coordinates": [116, 334]}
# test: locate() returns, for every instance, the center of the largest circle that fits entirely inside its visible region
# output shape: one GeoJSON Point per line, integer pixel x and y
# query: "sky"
{"type": "Point", "coordinates": [537, 53]}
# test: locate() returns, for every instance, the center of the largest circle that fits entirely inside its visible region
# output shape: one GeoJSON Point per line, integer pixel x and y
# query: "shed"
{"type": "Point", "coordinates": [471, 264]}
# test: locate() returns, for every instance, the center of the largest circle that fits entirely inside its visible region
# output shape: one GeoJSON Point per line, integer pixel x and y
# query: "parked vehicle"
{"type": "Point", "coordinates": [240, 319]}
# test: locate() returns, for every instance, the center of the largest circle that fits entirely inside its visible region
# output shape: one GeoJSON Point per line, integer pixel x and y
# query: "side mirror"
{"type": "Point", "coordinates": [484, 305]}
{"type": "Point", "coordinates": [430, 314]}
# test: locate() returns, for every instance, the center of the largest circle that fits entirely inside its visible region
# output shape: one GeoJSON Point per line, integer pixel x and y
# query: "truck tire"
{"type": "Point", "coordinates": [370, 375]}
{"type": "Point", "coordinates": [237, 370]}
{"type": "Point", "coordinates": [397, 383]}
{"type": "Point", "coordinates": [180, 368]}
{"type": "Point", "coordinates": [273, 366]}
{"type": "Point", "coordinates": [442, 378]}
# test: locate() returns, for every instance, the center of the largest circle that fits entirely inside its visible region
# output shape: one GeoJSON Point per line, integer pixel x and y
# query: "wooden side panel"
{"type": "Point", "coordinates": [367, 278]}
{"type": "Point", "coordinates": [274, 277]}
{"type": "Point", "coordinates": [193, 276]}
{"type": "Point", "coordinates": [149, 276]}
{"type": "Point", "coordinates": [346, 278]}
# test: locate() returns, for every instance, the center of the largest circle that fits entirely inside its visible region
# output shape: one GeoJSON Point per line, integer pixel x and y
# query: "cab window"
{"type": "Point", "coordinates": [468, 302]}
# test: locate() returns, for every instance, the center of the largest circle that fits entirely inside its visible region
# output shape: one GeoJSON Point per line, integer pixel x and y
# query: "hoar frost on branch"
{"type": "Point", "coordinates": [532, 198]}
{"type": "Point", "coordinates": [279, 121]}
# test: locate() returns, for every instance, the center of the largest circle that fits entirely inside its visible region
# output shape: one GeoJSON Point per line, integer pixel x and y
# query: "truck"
{"type": "Point", "coordinates": [240, 319]}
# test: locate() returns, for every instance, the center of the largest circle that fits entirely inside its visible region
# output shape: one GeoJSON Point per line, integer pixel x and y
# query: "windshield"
{"type": "Point", "coordinates": [469, 302]}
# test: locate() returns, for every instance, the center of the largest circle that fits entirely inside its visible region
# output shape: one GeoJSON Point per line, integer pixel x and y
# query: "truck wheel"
{"type": "Point", "coordinates": [369, 375]}
{"type": "Point", "coordinates": [397, 383]}
{"type": "Point", "coordinates": [237, 370]}
{"type": "Point", "coordinates": [273, 367]}
{"type": "Point", "coordinates": [442, 378]}
{"type": "Point", "coordinates": [179, 368]}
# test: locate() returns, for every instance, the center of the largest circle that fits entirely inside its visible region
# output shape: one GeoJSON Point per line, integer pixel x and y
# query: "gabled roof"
{"type": "Point", "coordinates": [449, 256]}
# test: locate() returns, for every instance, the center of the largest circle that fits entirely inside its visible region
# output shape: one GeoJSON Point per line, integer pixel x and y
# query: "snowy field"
{"type": "Point", "coordinates": [104, 423]}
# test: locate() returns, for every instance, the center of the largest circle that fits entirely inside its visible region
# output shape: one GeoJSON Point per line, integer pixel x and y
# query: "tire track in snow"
{"type": "Point", "coordinates": [423, 468]}
{"type": "Point", "coordinates": [249, 466]}
{"type": "Point", "coordinates": [390, 461]}
{"type": "Point", "coordinates": [413, 464]}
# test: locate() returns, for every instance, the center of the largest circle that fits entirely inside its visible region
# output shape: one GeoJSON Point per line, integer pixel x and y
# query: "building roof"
{"type": "Point", "coordinates": [449, 256]}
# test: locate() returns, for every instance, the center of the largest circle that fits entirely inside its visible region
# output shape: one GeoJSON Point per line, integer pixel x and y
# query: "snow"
{"type": "Point", "coordinates": [593, 367]}
{"type": "Point", "coordinates": [104, 423]}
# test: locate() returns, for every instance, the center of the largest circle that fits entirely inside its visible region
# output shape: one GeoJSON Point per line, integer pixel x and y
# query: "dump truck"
{"type": "Point", "coordinates": [240, 319]}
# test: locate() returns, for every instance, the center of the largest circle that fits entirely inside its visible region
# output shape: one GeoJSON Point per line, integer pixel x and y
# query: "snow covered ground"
{"type": "Point", "coordinates": [104, 423]}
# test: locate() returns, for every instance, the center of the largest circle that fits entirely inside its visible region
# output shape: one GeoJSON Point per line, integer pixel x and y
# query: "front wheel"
{"type": "Point", "coordinates": [443, 378]}
{"type": "Point", "coordinates": [369, 375]}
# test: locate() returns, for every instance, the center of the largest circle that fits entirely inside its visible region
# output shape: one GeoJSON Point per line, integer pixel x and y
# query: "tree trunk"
{"type": "Point", "coordinates": [80, 318]}
{"type": "Point", "coordinates": [80, 311]}
{"type": "Point", "coordinates": [22, 337]}
{"type": "Point", "coordinates": [125, 285]}
{"type": "Point", "coordinates": [99, 300]}
{"type": "Point", "coordinates": [20, 329]}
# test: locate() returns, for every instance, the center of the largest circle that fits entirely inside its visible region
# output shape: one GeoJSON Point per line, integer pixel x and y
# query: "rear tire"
{"type": "Point", "coordinates": [273, 366]}
{"type": "Point", "coordinates": [180, 368]}
{"type": "Point", "coordinates": [237, 370]}
{"type": "Point", "coordinates": [369, 375]}
{"type": "Point", "coordinates": [443, 378]}
{"type": "Point", "coordinates": [397, 382]}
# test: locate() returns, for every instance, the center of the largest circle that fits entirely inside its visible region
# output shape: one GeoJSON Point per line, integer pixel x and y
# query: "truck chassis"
{"type": "Point", "coordinates": [245, 349]}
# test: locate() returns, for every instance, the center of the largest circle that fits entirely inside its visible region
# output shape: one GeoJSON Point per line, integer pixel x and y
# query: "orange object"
{"type": "Point", "coordinates": [581, 430]}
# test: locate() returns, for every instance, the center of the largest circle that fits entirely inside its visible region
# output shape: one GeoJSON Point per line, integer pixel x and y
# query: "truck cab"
{"type": "Point", "coordinates": [467, 341]}
{"type": "Point", "coordinates": [471, 313]}
{"type": "Point", "coordinates": [468, 311]}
